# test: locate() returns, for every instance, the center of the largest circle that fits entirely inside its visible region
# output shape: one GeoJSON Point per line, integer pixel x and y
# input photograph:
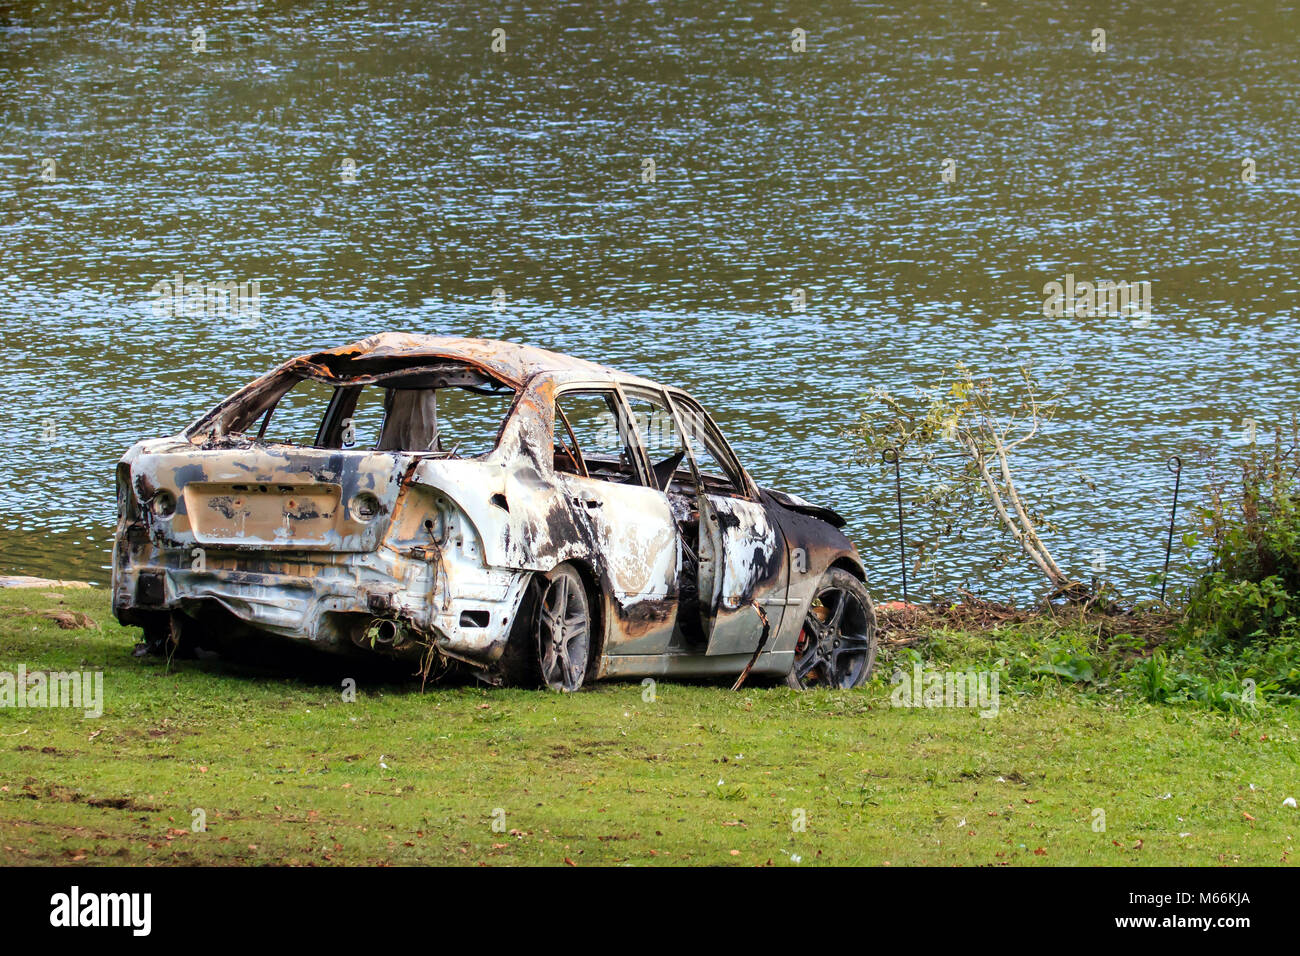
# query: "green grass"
{"type": "Point", "coordinates": [287, 772]}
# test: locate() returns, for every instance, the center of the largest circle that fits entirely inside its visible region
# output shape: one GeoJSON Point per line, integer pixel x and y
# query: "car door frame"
{"type": "Point", "coordinates": [638, 621]}
{"type": "Point", "coordinates": [744, 590]}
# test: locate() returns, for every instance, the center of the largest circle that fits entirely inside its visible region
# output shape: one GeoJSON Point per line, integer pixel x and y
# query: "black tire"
{"type": "Point", "coordinates": [550, 646]}
{"type": "Point", "coordinates": [837, 643]}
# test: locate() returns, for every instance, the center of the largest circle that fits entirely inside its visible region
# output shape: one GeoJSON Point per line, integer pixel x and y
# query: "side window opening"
{"type": "Point", "coordinates": [656, 427]}
{"type": "Point", "coordinates": [589, 437]}
{"type": "Point", "coordinates": [709, 451]}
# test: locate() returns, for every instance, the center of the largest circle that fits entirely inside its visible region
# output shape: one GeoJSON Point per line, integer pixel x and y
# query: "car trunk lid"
{"type": "Point", "coordinates": [265, 496]}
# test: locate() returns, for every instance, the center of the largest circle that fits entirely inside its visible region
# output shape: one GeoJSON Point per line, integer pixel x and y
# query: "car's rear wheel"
{"type": "Point", "coordinates": [837, 644]}
{"type": "Point", "coordinates": [552, 639]}
{"type": "Point", "coordinates": [563, 630]}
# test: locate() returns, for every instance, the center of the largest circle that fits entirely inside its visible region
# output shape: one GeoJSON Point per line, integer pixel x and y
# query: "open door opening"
{"type": "Point", "coordinates": [733, 558]}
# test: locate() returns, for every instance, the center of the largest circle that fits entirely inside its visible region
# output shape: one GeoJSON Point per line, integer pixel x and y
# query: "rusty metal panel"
{"type": "Point", "coordinates": [296, 515]}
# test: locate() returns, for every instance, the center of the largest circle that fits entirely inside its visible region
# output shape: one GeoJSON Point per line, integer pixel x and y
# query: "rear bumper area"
{"type": "Point", "coordinates": [327, 599]}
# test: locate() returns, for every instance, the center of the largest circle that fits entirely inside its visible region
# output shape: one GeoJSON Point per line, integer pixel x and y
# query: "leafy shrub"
{"type": "Point", "coordinates": [1251, 591]}
{"type": "Point", "coordinates": [1160, 679]}
{"type": "Point", "coordinates": [1153, 679]}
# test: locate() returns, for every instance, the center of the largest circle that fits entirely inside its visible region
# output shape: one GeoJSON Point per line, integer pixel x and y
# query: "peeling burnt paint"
{"type": "Point", "coordinates": [433, 552]}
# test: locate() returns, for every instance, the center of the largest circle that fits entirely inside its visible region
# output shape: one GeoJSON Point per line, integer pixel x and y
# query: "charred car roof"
{"type": "Point", "coordinates": [417, 360]}
{"type": "Point", "coordinates": [510, 363]}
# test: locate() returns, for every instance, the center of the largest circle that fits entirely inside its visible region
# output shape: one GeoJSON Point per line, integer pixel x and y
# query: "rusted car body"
{"type": "Point", "coordinates": [601, 527]}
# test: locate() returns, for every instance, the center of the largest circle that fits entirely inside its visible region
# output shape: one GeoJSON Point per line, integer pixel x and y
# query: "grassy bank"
{"type": "Point", "coordinates": [285, 771]}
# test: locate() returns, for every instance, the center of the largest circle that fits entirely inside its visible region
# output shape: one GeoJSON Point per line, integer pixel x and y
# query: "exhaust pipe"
{"type": "Point", "coordinates": [385, 631]}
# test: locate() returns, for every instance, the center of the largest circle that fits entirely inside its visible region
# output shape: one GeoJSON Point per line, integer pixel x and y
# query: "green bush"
{"type": "Point", "coordinates": [1251, 591]}
{"type": "Point", "coordinates": [1243, 615]}
{"type": "Point", "coordinates": [1190, 678]}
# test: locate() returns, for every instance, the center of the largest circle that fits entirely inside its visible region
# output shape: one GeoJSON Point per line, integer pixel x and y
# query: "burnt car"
{"type": "Point", "coordinates": [534, 518]}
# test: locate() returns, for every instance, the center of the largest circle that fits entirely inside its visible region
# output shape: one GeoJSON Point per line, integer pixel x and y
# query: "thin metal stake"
{"type": "Point", "coordinates": [1174, 464]}
{"type": "Point", "coordinates": [890, 456]}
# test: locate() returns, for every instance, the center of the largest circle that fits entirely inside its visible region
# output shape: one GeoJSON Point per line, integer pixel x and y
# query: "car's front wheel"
{"type": "Point", "coordinates": [837, 644]}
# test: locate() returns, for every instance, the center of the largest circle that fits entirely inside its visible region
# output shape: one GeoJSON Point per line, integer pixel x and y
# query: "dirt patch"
{"type": "Point", "coordinates": [166, 729]}
{"type": "Point", "coordinates": [67, 620]}
{"type": "Point", "coordinates": [70, 620]}
{"type": "Point", "coordinates": [45, 750]}
{"type": "Point", "coordinates": [59, 794]}
{"type": "Point", "coordinates": [900, 624]}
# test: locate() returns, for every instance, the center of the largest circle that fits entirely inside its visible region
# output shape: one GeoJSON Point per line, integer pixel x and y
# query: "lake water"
{"type": "Point", "coordinates": [379, 166]}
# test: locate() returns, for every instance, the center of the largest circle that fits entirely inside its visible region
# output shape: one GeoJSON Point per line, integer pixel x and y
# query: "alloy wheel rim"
{"type": "Point", "coordinates": [835, 643]}
{"type": "Point", "coordinates": [562, 635]}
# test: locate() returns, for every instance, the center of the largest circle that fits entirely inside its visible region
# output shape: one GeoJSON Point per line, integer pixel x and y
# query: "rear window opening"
{"type": "Point", "coordinates": [448, 411]}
